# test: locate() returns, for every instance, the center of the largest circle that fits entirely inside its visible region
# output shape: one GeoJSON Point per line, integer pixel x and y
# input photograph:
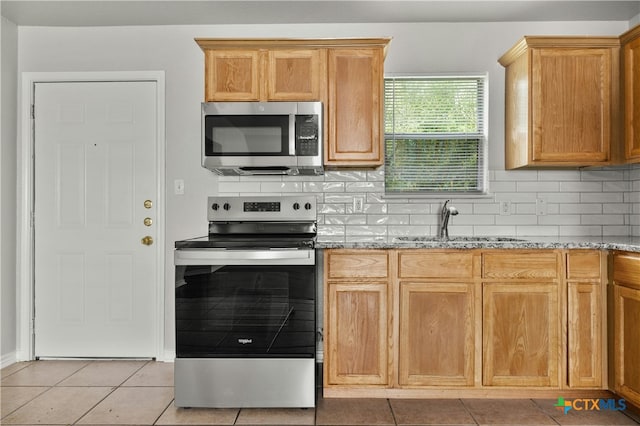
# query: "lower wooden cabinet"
{"type": "Point", "coordinates": [585, 318]}
{"type": "Point", "coordinates": [402, 321]}
{"type": "Point", "coordinates": [437, 334]}
{"type": "Point", "coordinates": [356, 317]}
{"type": "Point", "coordinates": [626, 290]}
{"type": "Point", "coordinates": [627, 343]}
{"type": "Point", "coordinates": [520, 334]}
{"type": "Point", "coordinates": [357, 334]}
{"type": "Point", "coordinates": [584, 333]}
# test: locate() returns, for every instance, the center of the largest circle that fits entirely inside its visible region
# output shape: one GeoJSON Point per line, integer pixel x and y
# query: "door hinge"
{"type": "Point", "coordinates": [33, 111]}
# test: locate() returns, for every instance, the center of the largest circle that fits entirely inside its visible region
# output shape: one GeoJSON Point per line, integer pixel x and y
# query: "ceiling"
{"type": "Point", "coordinates": [210, 12]}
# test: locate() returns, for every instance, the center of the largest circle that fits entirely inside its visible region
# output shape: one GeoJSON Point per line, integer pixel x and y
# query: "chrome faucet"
{"type": "Point", "coordinates": [445, 213]}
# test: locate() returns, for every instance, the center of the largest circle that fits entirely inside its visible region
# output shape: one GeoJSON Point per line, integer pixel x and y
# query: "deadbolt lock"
{"type": "Point", "coordinates": [148, 221]}
{"type": "Point", "coordinates": [147, 241]}
{"type": "Point", "coordinates": [148, 204]}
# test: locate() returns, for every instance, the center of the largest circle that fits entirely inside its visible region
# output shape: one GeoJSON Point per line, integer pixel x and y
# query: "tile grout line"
{"type": "Point", "coordinates": [393, 414]}
{"type": "Point", "coordinates": [27, 364]}
{"type": "Point", "coordinates": [113, 389]}
{"type": "Point", "coordinates": [544, 412]}
{"type": "Point", "coordinates": [315, 405]}
{"type": "Point", "coordinates": [163, 411]}
{"type": "Point", "coordinates": [134, 373]}
{"type": "Point", "coordinates": [36, 396]}
{"type": "Point", "coordinates": [468, 411]}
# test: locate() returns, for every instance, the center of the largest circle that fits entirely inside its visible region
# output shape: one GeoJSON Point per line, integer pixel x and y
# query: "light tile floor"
{"type": "Point", "coordinates": [141, 393]}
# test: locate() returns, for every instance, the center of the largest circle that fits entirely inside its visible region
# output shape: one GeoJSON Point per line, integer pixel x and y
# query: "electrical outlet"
{"type": "Point", "coordinates": [505, 208]}
{"type": "Point", "coordinates": [358, 204]}
{"type": "Point", "coordinates": [178, 187]}
{"type": "Point", "coordinates": [541, 207]}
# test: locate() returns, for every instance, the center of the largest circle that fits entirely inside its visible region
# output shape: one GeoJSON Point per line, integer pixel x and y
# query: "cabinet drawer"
{"type": "Point", "coordinates": [626, 270]}
{"type": "Point", "coordinates": [425, 264]}
{"type": "Point", "coordinates": [583, 264]}
{"type": "Point", "coordinates": [344, 264]}
{"type": "Point", "coordinates": [520, 265]}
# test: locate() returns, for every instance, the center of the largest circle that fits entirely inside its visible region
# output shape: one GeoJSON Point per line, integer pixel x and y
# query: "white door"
{"type": "Point", "coordinates": [96, 283]}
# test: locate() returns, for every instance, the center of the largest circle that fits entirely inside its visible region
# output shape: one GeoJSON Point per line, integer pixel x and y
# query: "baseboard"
{"type": "Point", "coordinates": [168, 356]}
{"type": "Point", "coordinates": [8, 359]}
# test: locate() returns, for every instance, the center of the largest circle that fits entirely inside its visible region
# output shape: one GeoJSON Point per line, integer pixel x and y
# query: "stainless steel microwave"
{"type": "Point", "coordinates": [262, 138]}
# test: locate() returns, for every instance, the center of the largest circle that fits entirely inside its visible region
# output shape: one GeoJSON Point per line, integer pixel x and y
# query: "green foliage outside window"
{"type": "Point", "coordinates": [434, 134]}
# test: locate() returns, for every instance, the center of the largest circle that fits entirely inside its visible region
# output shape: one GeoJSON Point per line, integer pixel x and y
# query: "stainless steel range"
{"type": "Point", "coordinates": [245, 305]}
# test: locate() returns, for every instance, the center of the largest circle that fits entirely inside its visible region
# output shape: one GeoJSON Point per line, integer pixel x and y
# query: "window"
{"type": "Point", "coordinates": [435, 135]}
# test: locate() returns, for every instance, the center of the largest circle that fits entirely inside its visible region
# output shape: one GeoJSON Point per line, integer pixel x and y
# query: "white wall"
{"type": "Point", "coordinates": [8, 95]}
{"type": "Point", "coordinates": [432, 47]}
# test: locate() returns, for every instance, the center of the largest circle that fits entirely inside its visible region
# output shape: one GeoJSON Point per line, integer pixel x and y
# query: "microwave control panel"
{"type": "Point", "coordinates": [307, 135]}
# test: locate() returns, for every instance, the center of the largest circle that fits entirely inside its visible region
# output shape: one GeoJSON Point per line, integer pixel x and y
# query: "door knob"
{"type": "Point", "coordinates": [147, 241]}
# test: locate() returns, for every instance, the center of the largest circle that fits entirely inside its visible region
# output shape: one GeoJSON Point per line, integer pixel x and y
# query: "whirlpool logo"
{"type": "Point", "coordinates": [585, 404]}
{"type": "Point", "coordinates": [245, 341]}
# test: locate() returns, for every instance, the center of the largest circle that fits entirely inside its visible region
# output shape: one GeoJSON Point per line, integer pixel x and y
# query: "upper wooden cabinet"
{"type": "Point", "coordinates": [562, 99]}
{"type": "Point", "coordinates": [262, 70]}
{"type": "Point", "coordinates": [631, 92]}
{"type": "Point", "coordinates": [347, 75]}
{"type": "Point", "coordinates": [295, 75]}
{"type": "Point", "coordinates": [232, 75]}
{"type": "Point", "coordinates": [356, 84]}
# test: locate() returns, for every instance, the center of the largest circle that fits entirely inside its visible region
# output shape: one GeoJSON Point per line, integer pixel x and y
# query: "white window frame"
{"type": "Point", "coordinates": [483, 168]}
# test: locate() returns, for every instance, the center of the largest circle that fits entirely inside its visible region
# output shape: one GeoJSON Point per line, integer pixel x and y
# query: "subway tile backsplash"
{"type": "Point", "coordinates": [554, 203]}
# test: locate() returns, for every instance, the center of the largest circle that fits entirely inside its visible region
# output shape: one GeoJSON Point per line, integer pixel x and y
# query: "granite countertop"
{"type": "Point", "coordinates": [602, 243]}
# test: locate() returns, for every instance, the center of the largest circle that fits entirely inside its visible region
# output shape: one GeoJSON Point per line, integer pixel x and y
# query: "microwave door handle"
{"type": "Point", "coordinates": [292, 134]}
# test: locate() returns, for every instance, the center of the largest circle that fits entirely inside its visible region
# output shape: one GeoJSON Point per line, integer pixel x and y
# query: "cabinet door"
{"type": "Point", "coordinates": [357, 337]}
{"type": "Point", "coordinates": [571, 104]}
{"type": "Point", "coordinates": [585, 335]}
{"type": "Point", "coordinates": [520, 334]}
{"type": "Point", "coordinates": [626, 342]}
{"type": "Point", "coordinates": [437, 334]}
{"type": "Point", "coordinates": [631, 64]}
{"type": "Point", "coordinates": [296, 75]}
{"type": "Point", "coordinates": [355, 107]}
{"type": "Point", "coordinates": [232, 75]}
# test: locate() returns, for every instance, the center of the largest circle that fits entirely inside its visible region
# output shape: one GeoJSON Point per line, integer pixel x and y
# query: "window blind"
{"type": "Point", "coordinates": [435, 134]}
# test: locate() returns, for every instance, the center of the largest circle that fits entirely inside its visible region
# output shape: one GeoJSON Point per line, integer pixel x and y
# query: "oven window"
{"type": "Point", "coordinates": [240, 135]}
{"type": "Point", "coordinates": [245, 311]}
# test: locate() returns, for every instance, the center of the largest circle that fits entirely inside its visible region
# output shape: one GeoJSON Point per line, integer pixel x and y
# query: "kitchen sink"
{"type": "Point", "coordinates": [459, 239]}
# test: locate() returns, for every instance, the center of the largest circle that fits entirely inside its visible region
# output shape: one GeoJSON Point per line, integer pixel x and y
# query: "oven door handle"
{"type": "Point", "coordinates": [244, 257]}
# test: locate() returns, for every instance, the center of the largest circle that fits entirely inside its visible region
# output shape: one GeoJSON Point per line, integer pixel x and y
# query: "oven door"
{"type": "Point", "coordinates": [245, 303]}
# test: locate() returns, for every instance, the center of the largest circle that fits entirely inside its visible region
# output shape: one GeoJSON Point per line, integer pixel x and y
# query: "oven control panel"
{"type": "Point", "coordinates": [265, 208]}
{"type": "Point", "coordinates": [261, 206]}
